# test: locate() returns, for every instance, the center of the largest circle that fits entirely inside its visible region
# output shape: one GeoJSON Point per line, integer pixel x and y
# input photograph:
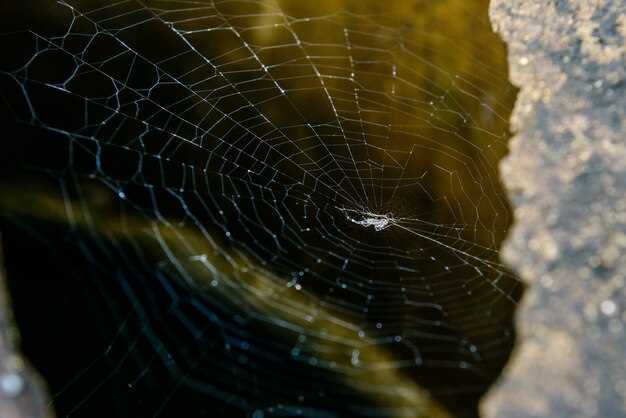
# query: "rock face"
{"type": "Point", "coordinates": [566, 175]}
{"type": "Point", "coordinates": [22, 392]}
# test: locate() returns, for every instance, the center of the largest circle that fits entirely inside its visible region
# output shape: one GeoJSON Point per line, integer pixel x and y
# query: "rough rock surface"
{"type": "Point", "coordinates": [22, 392]}
{"type": "Point", "coordinates": [566, 175]}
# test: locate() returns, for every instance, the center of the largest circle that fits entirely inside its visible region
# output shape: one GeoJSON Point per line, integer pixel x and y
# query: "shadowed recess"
{"type": "Point", "coordinates": [258, 208]}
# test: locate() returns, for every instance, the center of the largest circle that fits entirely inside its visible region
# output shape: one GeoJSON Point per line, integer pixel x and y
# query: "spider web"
{"type": "Point", "coordinates": [328, 153]}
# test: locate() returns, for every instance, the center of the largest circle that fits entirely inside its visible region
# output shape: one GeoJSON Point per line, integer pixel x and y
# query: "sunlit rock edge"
{"type": "Point", "coordinates": [566, 177]}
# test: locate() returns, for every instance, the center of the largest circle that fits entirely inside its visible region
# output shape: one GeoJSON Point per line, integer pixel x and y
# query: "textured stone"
{"type": "Point", "coordinates": [566, 175]}
{"type": "Point", "coordinates": [22, 392]}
